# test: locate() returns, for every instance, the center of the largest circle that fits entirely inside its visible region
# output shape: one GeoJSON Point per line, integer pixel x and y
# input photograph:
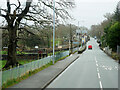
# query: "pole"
{"type": "Point", "coordinates": [79, 35]}
{"type": "Point", "coordinates": [71, 39]}
{"type": "Point", "coordinates": [69, 46]}
{"type": "Point", "coordinates": [53, 31]}
{"type": "Point", "coordinates": [81, 38]}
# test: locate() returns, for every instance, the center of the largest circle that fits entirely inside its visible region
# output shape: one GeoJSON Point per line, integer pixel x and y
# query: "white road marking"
{"type": "Point", "coordinates": [116, 68]}
{"type": "Point", "coordinates": [106, 69]}
{"type": "Point", "coordinates": [110, 68]}
{"type": "Point", "coordinates": [97, 70]}
{"type": "Point", "coordinates": [97, 65]}
{"type": "Point", "coordinates": [71, 55]}
{"type": "Point", "coordinates": [101, 85]}
{"type": "Point", "coordinates": [98, 75]}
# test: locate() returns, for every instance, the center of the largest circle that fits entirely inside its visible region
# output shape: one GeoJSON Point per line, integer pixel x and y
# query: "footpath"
{"type": "Point", "coordinates": [43, 78]}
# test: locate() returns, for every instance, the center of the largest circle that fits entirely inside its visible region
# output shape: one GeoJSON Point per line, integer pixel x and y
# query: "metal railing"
{"type": "Point", "coordinates": [21, 70]}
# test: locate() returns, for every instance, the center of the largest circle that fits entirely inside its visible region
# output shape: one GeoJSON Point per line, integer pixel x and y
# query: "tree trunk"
{"type": "Point", "coordinates": [11, 61]}
{"type": "Point", "coordinates": [48, 40]}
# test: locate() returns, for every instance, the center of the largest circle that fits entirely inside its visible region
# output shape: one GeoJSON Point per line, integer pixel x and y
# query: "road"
{"type": "Point", "coordinates": [93, 69]}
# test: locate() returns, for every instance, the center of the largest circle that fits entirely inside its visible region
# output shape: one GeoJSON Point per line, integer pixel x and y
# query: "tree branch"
{"type": "Point", "coordinates": [26, 30]}
{"type": "Point", "coordinates": [25, 11]}
{"type": "Point", "coordinates": [8, 6]}
{"type": "Point", "coordinates": [18, 5]}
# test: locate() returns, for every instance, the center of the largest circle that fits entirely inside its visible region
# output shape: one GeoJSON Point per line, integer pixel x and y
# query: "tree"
{"type": "Point", "coordinates": [13, 22]}
{"type": "Point", "coordinates": [113, 36]}
{"type": "Point", "coordinates": [37, 13]}
{"type": "Point", "coordinates": [117, 12]}
{"type": "Point", "coordinates": [98, 30]}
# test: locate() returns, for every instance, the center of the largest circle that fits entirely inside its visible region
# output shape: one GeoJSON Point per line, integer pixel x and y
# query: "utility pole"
{"type": "Point", "coordinates": [71, 41]}
{"type": "Point", "coordinates": [79, 35]}
{"type": "Point", "coordinates": [81, 38]}
{"type": "Point", "coordinates": [53, 31]}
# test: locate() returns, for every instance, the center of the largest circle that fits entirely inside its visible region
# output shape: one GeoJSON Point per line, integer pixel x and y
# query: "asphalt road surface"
{"type": "Point", "coordinates": [93, 69]}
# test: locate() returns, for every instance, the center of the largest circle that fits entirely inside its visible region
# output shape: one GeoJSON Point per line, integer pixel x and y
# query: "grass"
{"type": "Point", "coordinates": [30, 73]}
{"type": "Point", "coordinates": [18, 52]}
{"type": "Point", "coordinates": [3, 62]}
{"type": "Point", "coordinates": [55, 52]}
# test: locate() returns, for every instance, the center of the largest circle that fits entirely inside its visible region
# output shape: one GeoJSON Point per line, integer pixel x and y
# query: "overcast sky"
{"type": "Point", "coordinates": [89, 12]}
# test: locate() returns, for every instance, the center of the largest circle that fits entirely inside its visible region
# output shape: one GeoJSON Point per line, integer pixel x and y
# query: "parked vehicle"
{"type": "Point", "coordinates": [98, 41]}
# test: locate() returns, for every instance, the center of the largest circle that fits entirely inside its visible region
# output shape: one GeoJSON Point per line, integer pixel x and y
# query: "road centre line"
{"type": "Point", "coordinates": [101, 85]}
{"type": "Point", "coordinates": [97, 70]}
{"type": "Point", "coordinates": [98, 75]}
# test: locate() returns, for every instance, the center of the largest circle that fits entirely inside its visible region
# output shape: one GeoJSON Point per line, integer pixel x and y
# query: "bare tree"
{"type": "Point", "coordinates": [13, 22]}
{"type": "Point", "coordinates": [38, 13]}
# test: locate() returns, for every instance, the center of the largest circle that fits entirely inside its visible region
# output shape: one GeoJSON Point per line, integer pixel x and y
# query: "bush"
{"type": "Point", "coordinates": [112, 35]}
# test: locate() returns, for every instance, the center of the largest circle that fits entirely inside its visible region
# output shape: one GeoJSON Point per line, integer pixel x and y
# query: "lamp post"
{"type": "Point", "coordinates": [78, 35]}
{"type": "Point", "coordinates": [71, 39]}
{"type": "Point", "coordinates": [53, 31]}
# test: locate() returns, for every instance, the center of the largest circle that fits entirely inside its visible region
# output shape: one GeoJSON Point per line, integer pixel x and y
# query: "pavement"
{"type": "Point", "coordinates": [46, 76]}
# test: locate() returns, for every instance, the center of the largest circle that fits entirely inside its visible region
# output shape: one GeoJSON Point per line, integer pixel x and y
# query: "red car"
{"type": "Point", "coordinates": [89, 46]}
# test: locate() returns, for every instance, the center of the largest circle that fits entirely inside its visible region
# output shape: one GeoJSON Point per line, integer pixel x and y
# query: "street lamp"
{"type": "Point", "coordinates": [53, 31]}
{"type": "Point", "coordinates": [78, 35]}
